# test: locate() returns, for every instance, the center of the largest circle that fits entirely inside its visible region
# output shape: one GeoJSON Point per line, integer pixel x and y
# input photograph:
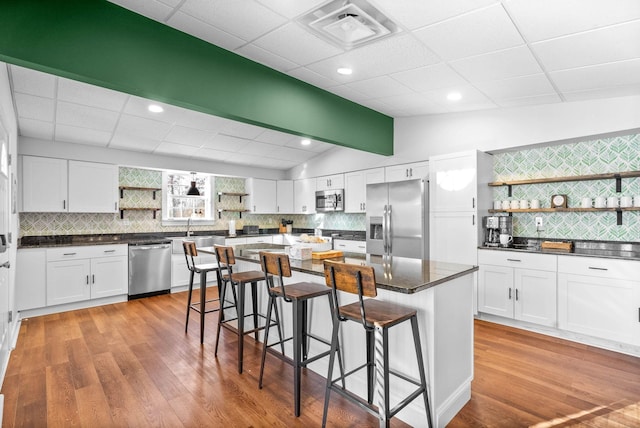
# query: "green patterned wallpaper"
{"type": "Point", "coordinates": [587, 157]}
{"type": "Point", "coordinates": [42, 224]}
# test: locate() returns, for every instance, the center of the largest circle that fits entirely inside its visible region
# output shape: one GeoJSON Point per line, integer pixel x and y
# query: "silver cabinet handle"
{"type": "Point", "coordinates": [473, 202]}
{"type": "Point", "coordinates": [513, 260]}
{"type": "Point", "coordinates": [597, 268]}
{"type": "Point", "coordinates": [473, 220]}
{"type": "Point", "coordinates": [109, 251]}
{"type": "Point", "coordinates": [93, 279]}
{"type": "Point", "coordinates": [69, 254]}
{"type": "Point", "coordinates": [509, 293]}
{"type": "Point", "coordinates": [64, 204]}
{"type": "Point", "coordinates": [516, 294]}
{"type": "Point", "coordinates": [87, 279]}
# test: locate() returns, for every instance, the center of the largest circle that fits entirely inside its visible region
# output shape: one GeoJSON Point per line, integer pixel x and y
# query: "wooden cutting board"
{"type": "Point", "coordinates": [326, 254]}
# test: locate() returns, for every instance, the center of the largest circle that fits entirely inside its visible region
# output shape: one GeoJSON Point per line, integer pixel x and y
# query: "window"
{"type": "Point", "coordinates": [178, 206]}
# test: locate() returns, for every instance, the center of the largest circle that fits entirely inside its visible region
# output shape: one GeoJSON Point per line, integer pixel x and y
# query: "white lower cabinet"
{"type": "Point", "coordinates": [600, 298]}
{"type": "Point", "coordinates": [31, 278]}
{"type": "Point", "coordinates": [180, 274]}
{"type": "Point", "coordinates": [350, 246]}
{"type": "Point", "coordinates": [82, 273]}
{"type": "Point", "coordinates": [516, 285]}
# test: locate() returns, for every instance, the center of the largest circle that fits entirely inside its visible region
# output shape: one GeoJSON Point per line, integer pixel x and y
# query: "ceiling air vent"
{"type": "Point", "coordinates": [348, 24]}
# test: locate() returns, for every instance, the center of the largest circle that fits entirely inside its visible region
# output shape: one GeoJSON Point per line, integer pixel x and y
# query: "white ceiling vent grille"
{"type": "Point", "coordinates": [348, 24]}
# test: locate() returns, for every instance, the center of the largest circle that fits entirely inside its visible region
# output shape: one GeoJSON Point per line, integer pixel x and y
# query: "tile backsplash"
{"type": "Point", "coordinates": [42, 224]}
{"type": "Point", "coordinates": [608, 155]}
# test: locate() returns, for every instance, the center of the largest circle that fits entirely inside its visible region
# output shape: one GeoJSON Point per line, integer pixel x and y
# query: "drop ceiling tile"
{"type": "Point", "coordinates": [597, 76]}
{"type": "Point", "coordinates": [517, 87]}
{"type": "Point", "coordinates": [225, 143]}
{"type": "Point", "coordinates": [592, 47]}
{"type": "Point", "coordinates": [257, 54]}
{"type": "Point", "coordinates": [240, 130]}
{"type": "Point", "coordinates": [90, 95]}
{"type": "Point", "coordinates": [529, 101]}
{"type": "Point", "coordinates": [188, 136]}
{"type": "Point", "coordinates": [315, 146]}
{"type": "Point", "coordinates": [296, 44]}
{"type": "Point", "coordinates": [414, 14]}
{"type": "Point", "coordinates": [134, 126]}
{"type": "Point", "coordinates": [512, 62]}
{"type": "Point", "coordinates": [85, 116]}
{"type": "Point", "coordinates": [245, 19]}
{"type": "Point", "coordinates": [291, 8]}
{"type": "Point", "coordinates": [348, 93]}
{"type": "Point", "coordinates": [487, 105]}
{"type": "Point", "coordinates": [478, 32]}
{"type": "Point", "coordinates": [32, 82]}
{"type": "Point", "coordinates": [193, 119]}
{"type": "Point", "coordinates": [74, 134]}
{"type": "Point", "coordinates": [547, 19]}
{"type": "Point", "coordinates": [275, 137]}
{"type": "Point", "coordinates": [290, 154]}
{"type": "Point", "coordinates": [190, 25]}
{"type": "Point", "coordinates": [35, 128]}
{"type": "Point", "coordinates": [216, 155]}
{"type": "Point", "coordinates": [411, 100]}
{"type": "Point", "coordinates": [32, 107]}
{"type": "Point", "coordinates": [383, 86]}
{"type": "Point", "coordinates": [311, 77]}
{"type": "Point", "coordinates": [470, 95]}
{"type": "Point", "coordinates": [246, 159]}
{"type": "Point", "coordinates": [429, 78]}
{"type": "Point", "coordinates": [138, 144]}
{"type": "Point", "coordinates": [258, 149]}
{"type": "Point", "coordinates": [390, 55]}
{"type": "Point", "coordinates": [150, 8]}
{"type": "Point", "coordinates": [175, 149]}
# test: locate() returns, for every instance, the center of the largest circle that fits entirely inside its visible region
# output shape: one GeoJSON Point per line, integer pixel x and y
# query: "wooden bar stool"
{"type": "Point", "coordinates": [226, 261]}
{"type": "Point", "coordinates": [376, 317]}
{"type": "Point", "coordinates": [190, 252]}
{"type": "Point", "coordinates": [277, 266]}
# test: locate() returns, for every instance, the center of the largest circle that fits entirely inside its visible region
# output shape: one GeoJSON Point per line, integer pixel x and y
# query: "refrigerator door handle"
{"type": "Point", "coordinates": [389, 231]}
{"type": "Point", "coordinates": [385, 226]}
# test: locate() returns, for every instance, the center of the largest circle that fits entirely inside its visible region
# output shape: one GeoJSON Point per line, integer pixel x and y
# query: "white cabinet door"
{"type": "Point", "coordinates": [31, 278]}
{"type": "Point", "coordinates": [453, 237]}
{"type": "Point", "coordinates": [44, 184]}
{"type": "Point", "coordinates": [535, 299]}
{"type": "Point", "coordinates": [330, 182]}
{"type": "Point", "coordinates": [68, 281]}
{"type": "Point", "coordinates": [179, 272]}
{"type": "Point", "coordinates": [350, 246]}
{"type": "Point", "coordinates": [230, 242]}
{"type": "Point", "coordinates": [262, 196]}
{"type": "Point", "coordinates": [284, 193]}
{"type": "Point", "coordinates": [355, 192]}
{"type": "Point", "coordinates": [495, 290]}
{"type": "Point", "coordinates": [109, 276]}
{"type": "Point", "coordinates": [453, 182]}
{"type": "Point", "coordinates": [266, 239]}
{"type": "Point", "coordinates": [409, 171]}
{"type": "Point", "coordinates": [304, 196]}
{"type": "Point", "coordinates": [599, 307]}
{"type": "Point", "coordinates": [93, 187]}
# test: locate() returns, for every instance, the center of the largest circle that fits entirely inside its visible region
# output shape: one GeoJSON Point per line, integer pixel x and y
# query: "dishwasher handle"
{"type": "Point", "coordinates": [152, 247]}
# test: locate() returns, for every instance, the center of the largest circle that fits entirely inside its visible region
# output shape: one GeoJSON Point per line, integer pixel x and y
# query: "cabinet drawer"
{"type": "Point", "coordinates": [518, 259]}
{"type": "Point", "coordinates": [85, 252]}
{"type": "Point", "coordinates": [350, 246]}
{"type": "Point", "coordinates": [599, 267]}
{"type": "Point", "coordinates": [259, 239]}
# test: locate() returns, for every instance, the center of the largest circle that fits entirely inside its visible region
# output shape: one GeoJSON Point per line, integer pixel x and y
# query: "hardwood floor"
{"type": "Point", "coordinates": [130, 364]}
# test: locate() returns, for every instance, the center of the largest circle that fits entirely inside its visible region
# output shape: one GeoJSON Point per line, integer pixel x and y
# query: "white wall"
{"type": "Point", "coordinates": [419, 137]}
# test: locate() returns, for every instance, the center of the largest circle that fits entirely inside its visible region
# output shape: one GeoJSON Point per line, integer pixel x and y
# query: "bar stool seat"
{"type": "Point", "coordinates": [376, 317]}
{"type": "Point", "coordinates": [190, 251]}
{"type": "Point", "coordinates": [226, 261]}
{"type": "Point", "coordinates": [298, 294]}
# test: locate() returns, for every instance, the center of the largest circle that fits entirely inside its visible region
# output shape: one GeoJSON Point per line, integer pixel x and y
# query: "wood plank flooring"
{"type": "Point", "coordinates": [130, 364]}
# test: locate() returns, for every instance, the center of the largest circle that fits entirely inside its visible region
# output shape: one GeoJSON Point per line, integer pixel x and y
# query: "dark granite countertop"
{"type": "Point", "coordinates": [399, 274]}
{"type": "Point", "coordinates": [602, 249]}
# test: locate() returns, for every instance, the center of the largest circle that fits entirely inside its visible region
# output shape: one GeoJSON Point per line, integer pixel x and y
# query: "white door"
{"type": "Point", "coordinates": [4, 255]}
{"type": "Point", "coordinates": [44, 184]}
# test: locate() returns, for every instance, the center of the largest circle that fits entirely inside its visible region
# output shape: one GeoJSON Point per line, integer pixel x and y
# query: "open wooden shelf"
{"type": "Point", "coordinates": [239, 211]}
{"type": "Point", "coordinates": [151, 189]}
{"type": "Point", "coordinates": [240, 195]}
{"type": "Point", "coordinates": [553, 210]}
{"type": "Point", "coordinates": [155, 210]}
{"type": "Point", "coordinates": [607, 176]}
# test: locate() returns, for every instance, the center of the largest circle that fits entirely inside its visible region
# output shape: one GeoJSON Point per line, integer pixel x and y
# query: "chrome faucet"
{"type": "Point", "coordinates": [188, 227]}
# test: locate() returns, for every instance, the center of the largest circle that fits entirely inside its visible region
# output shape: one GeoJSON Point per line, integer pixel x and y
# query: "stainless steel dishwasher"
{"type": "Point", "coordinates": [149, 269]}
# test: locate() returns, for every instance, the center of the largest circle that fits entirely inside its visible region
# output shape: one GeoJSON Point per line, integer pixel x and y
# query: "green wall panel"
{"type": "Point", "coordinates": [100, 43]}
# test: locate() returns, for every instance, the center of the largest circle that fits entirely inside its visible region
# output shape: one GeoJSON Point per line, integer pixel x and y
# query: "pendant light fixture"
{"type": "Point", "coordinates": [193, 190]}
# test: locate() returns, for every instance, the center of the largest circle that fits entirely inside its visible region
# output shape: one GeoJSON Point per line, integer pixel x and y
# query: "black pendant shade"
{"type": "Point", "coordinates": [193, 190]}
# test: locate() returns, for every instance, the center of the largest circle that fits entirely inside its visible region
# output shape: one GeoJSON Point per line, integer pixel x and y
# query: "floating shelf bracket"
{"type": "Point", "coordinates": [619, 217]}
{"type": "Point", "coordinates": [618, 183]}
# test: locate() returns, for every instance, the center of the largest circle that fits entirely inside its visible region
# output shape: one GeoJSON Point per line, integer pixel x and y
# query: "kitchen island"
{"type": "Point", "coordinates": [442, 294]}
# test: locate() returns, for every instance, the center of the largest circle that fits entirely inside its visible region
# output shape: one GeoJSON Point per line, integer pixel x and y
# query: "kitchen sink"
{"type": "Point", "coordinates": [201, 241]}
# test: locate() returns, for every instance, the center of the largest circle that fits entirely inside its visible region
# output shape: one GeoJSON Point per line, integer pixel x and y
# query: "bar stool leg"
{"type": "Point", "coordinates": [240, 306]}
{"type": "Point", "coordinates": [332, 355]}
{"type": "Point", "coordinates": [203, 300]}
{"type": "Point", "coordinates": [371, 357]}
{"type": "Point", "coordinates": [223, 284]}
{"type": "Point", "coordinates": [266, 340]}
{"type": "Point", "coordinates": [382, 378]}
{"type": "Point", "coordinates": [254, 303]}
{"type": "Point", "coordinates": [186, 323]}
{"type": "Point", "coordinates": [423, 381]}
{"type": "Point", "coordinates": [298, 309]}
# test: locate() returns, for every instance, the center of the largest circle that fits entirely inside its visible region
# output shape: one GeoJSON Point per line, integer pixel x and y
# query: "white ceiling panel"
{"type": "Point", "coordinates": [482, 31]}
{"type": "Point", "coordinates": [616, 43]}
{"type": "Point", "coordinates": [429, 78]}
{"type": "Point", "coordinates": [138, 144]}
{"type": "Point", "coordinates": [517, 87]}
{"type": "Point", "coordinates": [258, 149]}
{"type": "Point", "coordinates": [166, 148]}
{"type": "Point", "coordinates": [470, 96]}
{"type": "Point", "coordinates": [512, 62]}
{"type": "Point", "coordinates": [306, 75]}
{"type": "Point", "coordinates": [529, 101]}
{"type": "Point", "coordinates": [142, 127]}
{"type": "Point", "coordinates": [152, 8]}
{"type": "Point", "coordinates": [188, 136]}
{"type": "Point", "coordinates": [33, 82]}
{"type": "Point", "coordinates": [621, 91]}
{"type": "Point", "coordinates": [291, 8]}
{"type": "Point", "coordinates": [215, 155]}
{"type": "Point", "coordinates": [189, 24]}
{"type": "Point", "coordinates": [84, 116]}
{"type": "Point", "coordinates": [314, 146]}
{"type": "Point", "coordinates": [257, 54]}
{"type": "Point", "coordinates": [295, 155]}
{"type": "Point", "coordinates": [414, 14]}
{"type": "Point", "coordinates": [547, 19]}
{"type": "Point", "coordinates": [379, 87]}
{"type": "Point", "coordinates": [74, 134]}
{"type": "Point", "coordinates": [32, 107]}
{"type": "Point", "coordinates": [35, 128]}
{"type": "Point", "coordinates": [241, 130]}
{"type": "Point", "coordinates": [598, 76]}
{"type": "Point", "coordinates": [89, 95]}
{"type": "Point", "coordinates": [225, 143]}
{"type": "Point", "coordinates": [275, 137]}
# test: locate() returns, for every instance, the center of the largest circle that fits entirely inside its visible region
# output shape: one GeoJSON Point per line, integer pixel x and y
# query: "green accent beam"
{"type": "Point", "coordinates": [100, 43]}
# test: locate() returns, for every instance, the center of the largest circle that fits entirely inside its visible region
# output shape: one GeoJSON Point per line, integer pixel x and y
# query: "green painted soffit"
{"type": "Point", "coordinates": [100, 43]}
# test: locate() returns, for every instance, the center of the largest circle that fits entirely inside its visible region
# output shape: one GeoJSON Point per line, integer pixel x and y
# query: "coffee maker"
{"type": "Point", "coordinates": [491, 226]}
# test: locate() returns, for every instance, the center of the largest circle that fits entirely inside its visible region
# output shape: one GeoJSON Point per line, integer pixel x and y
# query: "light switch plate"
{"type": "Point", "coordinates": [538, 222]}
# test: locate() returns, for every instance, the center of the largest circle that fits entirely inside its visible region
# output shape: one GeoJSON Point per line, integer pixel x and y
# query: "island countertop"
{"type": "Point", "coordinates": [399, 274]}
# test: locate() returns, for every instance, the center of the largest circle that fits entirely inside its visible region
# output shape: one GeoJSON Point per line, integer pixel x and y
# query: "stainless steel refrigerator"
{"type": "Point", "coordinates": [398, 219]}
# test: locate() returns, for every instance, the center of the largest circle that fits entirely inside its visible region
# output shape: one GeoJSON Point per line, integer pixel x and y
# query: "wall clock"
{"type": "Point", "coordinates": [559, 201]}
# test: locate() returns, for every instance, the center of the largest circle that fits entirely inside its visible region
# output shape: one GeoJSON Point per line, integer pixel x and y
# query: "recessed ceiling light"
{"type": "Point", "coordinates": [305, 142]}
{"type": "Point", "coordinates": [454, 96]}
{"type": "Point", "coordinates": [155, 108]}
{"type": "Point", "coordinates": [346, 71]}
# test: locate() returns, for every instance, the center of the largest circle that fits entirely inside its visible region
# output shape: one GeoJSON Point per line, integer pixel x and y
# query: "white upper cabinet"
{"type": "Point", "coordinates": [262, 196]}
{"type": "Point", "coordinates": [330, 182]}
{"type": "Point", "coordinates": [408, 171]}
{"type": "Point", "coordinates": [355, 188]}
{"type": "Point", "coordinates": [44, 184]}
{"type": "Point", "coordinates": [93, 187]}
{"type": "Point", "coordinates": [284, 194]}
{"type": "Point", "coordinates": [304, 196]}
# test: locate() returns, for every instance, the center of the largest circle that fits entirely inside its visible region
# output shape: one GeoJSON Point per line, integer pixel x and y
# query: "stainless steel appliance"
{"type": "Point", "coordinates": [491, 226]}
{"type": "Point", "coordinates": [149, 269]}
{"type": "Point", "coordinates": [398, 219]}
{"type": "Point", "coordinates": [330, 200]}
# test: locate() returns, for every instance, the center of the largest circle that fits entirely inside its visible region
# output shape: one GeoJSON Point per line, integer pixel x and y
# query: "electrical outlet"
{"type": "Point", "coordinates": [538, 222]}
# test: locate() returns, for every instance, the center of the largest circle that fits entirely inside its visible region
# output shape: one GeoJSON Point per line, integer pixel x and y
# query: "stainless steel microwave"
{"type": "Point", "coordinates": [330, 200]}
